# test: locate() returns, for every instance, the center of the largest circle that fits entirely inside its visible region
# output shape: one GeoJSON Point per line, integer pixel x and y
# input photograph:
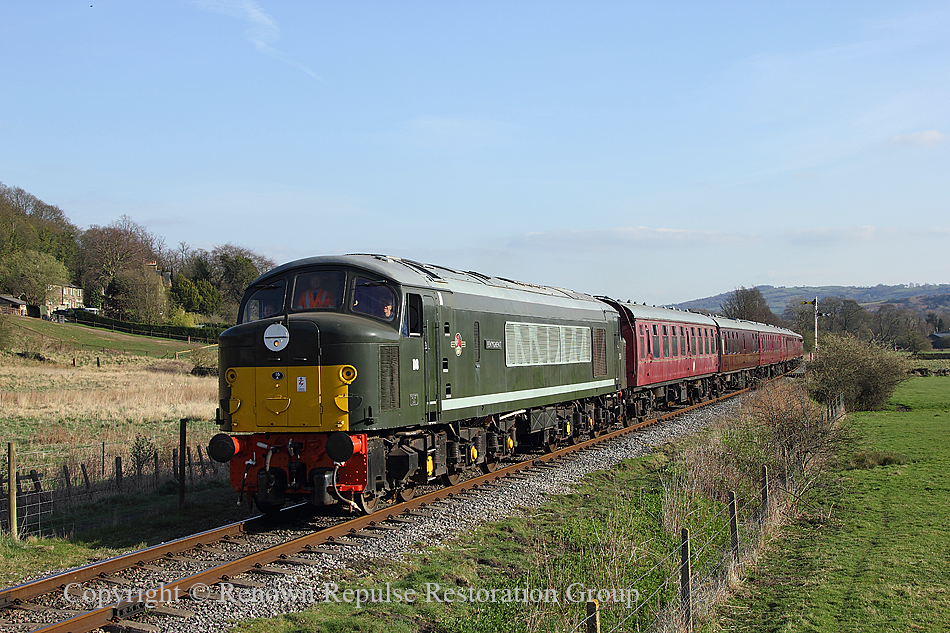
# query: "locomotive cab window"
{"type": "Point", "coordinates": [412, 326]}
{"type": "Point", "coordinates": [265, 302]}
{"type": "Point", "coordinates": [318, 290]}
{"type": "Point", "coordinates": [374, 298]}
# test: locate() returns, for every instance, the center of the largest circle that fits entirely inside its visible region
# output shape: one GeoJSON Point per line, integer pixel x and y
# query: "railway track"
{"type": "Point", "coordinates": [121, 588]}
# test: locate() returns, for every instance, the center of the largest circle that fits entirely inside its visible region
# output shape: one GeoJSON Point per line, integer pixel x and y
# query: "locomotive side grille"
{"type": "Point", "coordinates": [599, 351]}
{"type": "Point", "coordinates": [389, 376]}
{"type": "Point", "coordinates": [539, 344]}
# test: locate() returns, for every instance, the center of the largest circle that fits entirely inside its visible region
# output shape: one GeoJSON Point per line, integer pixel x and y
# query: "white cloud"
{"type": "Point", "coordinates": [919, 139]}
{"type": "Point", "coordinates": [263, 31]}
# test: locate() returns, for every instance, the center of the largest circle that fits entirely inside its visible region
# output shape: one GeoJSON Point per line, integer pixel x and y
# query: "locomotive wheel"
{"type": "Point", "coordinates": [489, 466]}
{"type": "Point", "coordinates": [405, 494]}
{"type": "Point", "coordinates": [367, 503]}
{"type": "Point", "coordinates": [266, 508]}
{"type": "Point", "coordinates": [450, 479]}
{"type": "Point", "coordinates": [550, 447]}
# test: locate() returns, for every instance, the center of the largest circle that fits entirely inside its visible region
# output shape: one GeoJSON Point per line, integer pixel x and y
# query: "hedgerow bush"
{"type": "Point", "coordinates": [865, 372]}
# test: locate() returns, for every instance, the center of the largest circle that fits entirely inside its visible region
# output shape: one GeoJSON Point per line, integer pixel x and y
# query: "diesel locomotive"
{"type": "Point", "coordinates": [351, 379]}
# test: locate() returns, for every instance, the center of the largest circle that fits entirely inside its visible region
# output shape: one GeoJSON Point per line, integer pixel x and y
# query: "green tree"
{"type": "Point", "coordinates": [185, 294]}
{"type": "Point", "coordinates": [29, 274]}
{"type": "Point", "coordinates": [209, 299]}
{"type": "Point", "coordinates": [237, 272]}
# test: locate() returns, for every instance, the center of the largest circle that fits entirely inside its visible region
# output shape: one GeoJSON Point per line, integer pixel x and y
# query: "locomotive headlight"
{"type": "Point", "coordinates": [347, 374]}
{"type": "Point", "coordinates": [230, 376]}
{"type": "Point", "coordinates": [276, 336]}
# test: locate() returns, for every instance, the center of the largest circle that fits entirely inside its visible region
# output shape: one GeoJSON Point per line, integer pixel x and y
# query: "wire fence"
{"type": "Point", "coordinates": [710, 559]}
{"type": "Point", "coordinates": [66, 489]}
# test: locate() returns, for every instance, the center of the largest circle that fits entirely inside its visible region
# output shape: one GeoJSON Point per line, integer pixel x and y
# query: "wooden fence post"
{"type": "Point", "coordinates": [765, 491]}
{"type": "Point", "coordinates": [593, 616]}
{"type": "Point", "coordinates": [69, 484]}
{"type": "Point", "coordinates": [11, 490]}
{"type": "Point", "coordinates": [201, 460]}
{"type": "Point", "coordinates": [85, 477]}
{"type": "Point", "coordinates": [685, 592]}
{"type": "Point", "coordinates": [734, 527]}
{"type": "Point", "coordinates": [155, 459]}
{"type": "Point", "coordinates": [191, 467]}
{"type": "Point", "coordinates": [182, 438]}
{"type": "Point", "coordinates": [118, 472]}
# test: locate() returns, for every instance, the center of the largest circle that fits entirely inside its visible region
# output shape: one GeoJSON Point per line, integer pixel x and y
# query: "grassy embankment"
{"type": "Point", "coordinates": [873, 552]}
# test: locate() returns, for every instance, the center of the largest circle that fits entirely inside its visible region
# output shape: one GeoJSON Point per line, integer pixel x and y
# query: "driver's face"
{"type": "Point", "coordinates": [387, 310]}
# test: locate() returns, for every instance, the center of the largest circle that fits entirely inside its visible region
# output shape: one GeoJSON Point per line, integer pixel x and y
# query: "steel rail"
{"type": "Point", "coordinates": [97, 618]}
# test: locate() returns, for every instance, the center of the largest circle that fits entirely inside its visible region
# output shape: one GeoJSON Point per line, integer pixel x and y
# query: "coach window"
{"type": "Point", "coordinates": [683, 340]}
{"type": "Point", "coordinates": [656, 343]}
{"type": "Point", "coordinates": [676, 351]}
{"type": "Point", "coordinates": [666, 342]}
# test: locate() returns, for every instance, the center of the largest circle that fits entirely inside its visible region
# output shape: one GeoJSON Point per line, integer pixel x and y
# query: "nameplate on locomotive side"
{"type": "Point", "coordinates": [492, 344]}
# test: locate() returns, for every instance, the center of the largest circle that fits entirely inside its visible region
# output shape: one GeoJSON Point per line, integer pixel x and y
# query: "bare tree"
{"type": "Point", "coordinates": [105, 251]}
{"type": "Point", "coordinates": [748, 304]}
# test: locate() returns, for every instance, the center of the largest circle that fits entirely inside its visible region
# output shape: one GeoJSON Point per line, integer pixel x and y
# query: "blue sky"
{"type": "Point", "coordinates": [656, 152]}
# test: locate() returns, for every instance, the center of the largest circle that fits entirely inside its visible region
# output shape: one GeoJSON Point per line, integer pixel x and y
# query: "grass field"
{"type": "Point", "coordinates": [53, 409]}
{"type": "Point", "coordinates": [83, 392]}
{"type": "Point", "coordinates": [64, 341]}
{"type": "Point", "coordinates": [871, 551]}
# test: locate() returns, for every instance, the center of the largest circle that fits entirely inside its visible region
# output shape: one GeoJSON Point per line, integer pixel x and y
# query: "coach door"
{"type": "Point", "coordinates": [431, 332]}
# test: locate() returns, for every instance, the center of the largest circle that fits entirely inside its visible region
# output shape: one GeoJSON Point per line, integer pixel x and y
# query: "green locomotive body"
{"type": "Point", "coordinates": [352, 378]}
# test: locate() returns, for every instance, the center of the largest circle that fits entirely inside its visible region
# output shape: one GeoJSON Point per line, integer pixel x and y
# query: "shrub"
{"type": "Point", "coordinates": [179, 318]}
{"type": "Point", "coordinates": [865, 372]}
{"type": "Point", "coordinates": [141, 453]}
{"type": "Point", "coordinates": [777, 426]}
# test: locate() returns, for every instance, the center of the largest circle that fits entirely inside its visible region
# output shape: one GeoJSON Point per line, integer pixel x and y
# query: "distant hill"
{"type": "Point", "coordinates": [922, 297]}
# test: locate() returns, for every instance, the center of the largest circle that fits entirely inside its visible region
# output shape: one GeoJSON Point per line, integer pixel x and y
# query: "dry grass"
{"type": "Point", "coordinates": [777, 426]}
{"type": "Point", "coordinates": [51, 404]}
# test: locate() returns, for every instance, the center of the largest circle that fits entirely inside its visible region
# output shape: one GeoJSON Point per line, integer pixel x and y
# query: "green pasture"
{"type": "Point", "coordinates": [871, 551]}
{"type": "Point", "coordinates": [27, 334]}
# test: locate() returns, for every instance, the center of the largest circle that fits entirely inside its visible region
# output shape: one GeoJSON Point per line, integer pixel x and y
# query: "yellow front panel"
{"type": "Point", "coordinates": [304, 399]}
